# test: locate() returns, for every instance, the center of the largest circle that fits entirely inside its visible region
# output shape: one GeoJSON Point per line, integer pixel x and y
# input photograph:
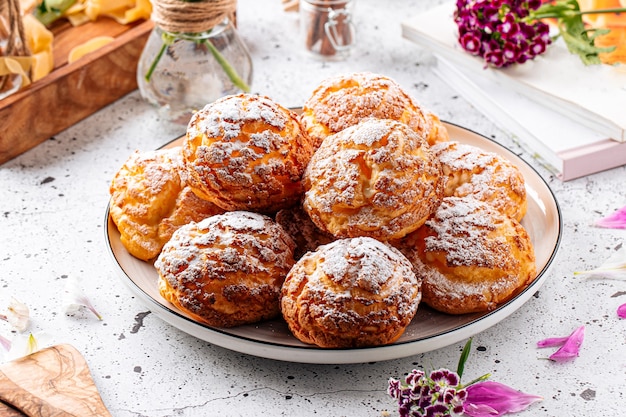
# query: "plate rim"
{"type": "Point", "coordinates": [316, 355]}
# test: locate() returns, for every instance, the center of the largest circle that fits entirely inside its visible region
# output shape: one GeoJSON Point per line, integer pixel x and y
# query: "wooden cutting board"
{"type": "Point", "coordinates": [51, 382]}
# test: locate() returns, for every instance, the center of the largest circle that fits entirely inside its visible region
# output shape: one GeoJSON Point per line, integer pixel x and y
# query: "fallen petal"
{"type": "Point", "coordinates": [479, 410]}
{"type": "Point", "coordinates": [23, 345]}
{"type": "Point", "coordinates": [621, 311]}
{"type": "Point", "coordinates": [75, 299]}
{"type": "Point", "coordinates": [490, 398]}
{"type": "Point", "coordinates": [614, 267]}
{"type": "Point", "coordinates": [552, 341]}
{"type": "Point", "coordinates": [5, 343]}
{"type": "Point", "coordinates": [571, 347]}
{"type": "Point", "coordinates": [616, 220]}
{"type": "Point", "coordinates": [18, 315]}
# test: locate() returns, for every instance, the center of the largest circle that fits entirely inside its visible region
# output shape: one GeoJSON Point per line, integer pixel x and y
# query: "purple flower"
{"type": "Point", "coordinates": [437, 410]}
{"type": "Point", "coordinates": [621, 311]}
{"type": "Point", "coordinates": [501, 30]}
{"type": "Point", "coordinates": [471, 43]}
{"type": "Point", "coordinates": [539, 47]}
{"type": "Point", "coordinates": [488, 399]}
{"type": "Point", "coordinates": [436, 395]}
{"type": "Point", "coordinates": [495, 58]}
{"type": "Point", "coordinates": [617, 220]}
{"type": "Point", "coordinates": [414, 377]}
{"type": "Point", "coordinates": [393, 388]}
{"type": "Point", "coordinates": [570, 345]}
{"type": "Point", "coordinates": [444, 377]}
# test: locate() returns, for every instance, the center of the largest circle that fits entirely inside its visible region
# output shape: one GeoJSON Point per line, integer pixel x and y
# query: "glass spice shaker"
{"type": "Point", "coordinates": [180, 72]}
{"type": "Point", "coordinates": [326, 28]}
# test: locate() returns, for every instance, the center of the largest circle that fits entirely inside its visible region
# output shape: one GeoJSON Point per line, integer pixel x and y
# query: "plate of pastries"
{"type": "Point", "coordinates": [358, 228]}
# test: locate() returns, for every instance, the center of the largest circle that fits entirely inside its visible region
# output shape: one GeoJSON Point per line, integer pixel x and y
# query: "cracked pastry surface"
{"type": "Point", "coordinates": [350, 293]}
{"type": "Point", "coordinates": [486, 176]}
{"type": "Point", "coordinates": [377, 178]}
{"type": "Point", "coordinates": [226, 270]}
{"type": "Point", "coordinates": [345, 100]}
{"type": "Point", "coordinates": [246, 152]}
{"type": "Point", "coordinates": [307, 236]}
{"type": "Point", "coordinates": [470, 257]}
{"type": "Point", "coordinates": [150, 200]}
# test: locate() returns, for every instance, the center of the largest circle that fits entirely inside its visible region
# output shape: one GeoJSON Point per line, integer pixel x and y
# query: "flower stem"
{"type": "Point", "coordinates": [230, 71]}
{"type": "Point", "coordinates": [479, 379]}
{"type": "Point", "coordinates": [169, 38]}
{"type": "Point", "coordinates": [148, 75]}
{"type": "Point", "coordinates": [571, 13]}
{"type": "Point", "coordinates": [616, 10]}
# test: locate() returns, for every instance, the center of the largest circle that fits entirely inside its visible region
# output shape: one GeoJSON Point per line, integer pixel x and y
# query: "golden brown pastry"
{"type": "Point", "coordinates": [350, 293]}
{"type": "Point", "coordinates": [226, 270]}
{"type": "Point", "coordinates": [377, 178]}
{"type": "Point", "coordinates": [438, 132]}
{"type": "Point", "coordinates": [246, 152]}
{"type": "Point", "coordinates": [486, 176]}
{"type": "Point", "coordinates": [470, 257]}
{"type": "Point", "coordinates": [149, 201]}
{"type": "Point", "coordinates": [345, 100]}
{"type": "Point", "coordinates": [307, 236]}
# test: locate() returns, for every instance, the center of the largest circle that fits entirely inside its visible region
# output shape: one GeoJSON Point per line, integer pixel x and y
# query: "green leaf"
{"type": "Point", "coordinates": [578, 39]}
{"type": "Point", "coordinates": [464, 355]}
{"type": "Point", "coordinates": [50, 10]}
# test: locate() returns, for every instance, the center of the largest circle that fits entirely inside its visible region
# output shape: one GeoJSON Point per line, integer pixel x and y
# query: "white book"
{"type": "Point", "coordinates": [594, 96]}
{"type": "Point", "coordinates": [567, 148]}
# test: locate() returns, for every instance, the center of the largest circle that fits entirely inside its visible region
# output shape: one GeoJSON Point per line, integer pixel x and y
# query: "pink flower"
{"type": "Point", "coordinates": [621, 311]}
{"type": "Point", "coordinates": [489, 398]}
{"type": "Point", "coordinates": [616, 220]}
{"type": "Point", "coordinates": [5, 343]}
{"type": "Point", "coordinates": [570, 345]}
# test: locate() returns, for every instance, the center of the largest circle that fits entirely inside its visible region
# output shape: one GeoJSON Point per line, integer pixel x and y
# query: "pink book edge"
{"type": "Point", "coordinates": [607, 153]}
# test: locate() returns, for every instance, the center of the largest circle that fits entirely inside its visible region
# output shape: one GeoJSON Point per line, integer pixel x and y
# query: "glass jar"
{"type": "Point", "coordinates": [182, 72]}
{"type": "Point", "coordinates": [13, 72]}
{"type": "Point", "coordinates": [326, 28]}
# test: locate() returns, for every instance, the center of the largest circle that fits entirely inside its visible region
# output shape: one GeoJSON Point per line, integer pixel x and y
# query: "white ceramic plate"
{"type": "Point", "coordinates": [428, 331]}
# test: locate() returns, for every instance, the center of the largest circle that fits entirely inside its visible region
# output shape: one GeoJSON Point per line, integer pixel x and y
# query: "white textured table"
{"type": "Point", "coordinates": [52, 209]}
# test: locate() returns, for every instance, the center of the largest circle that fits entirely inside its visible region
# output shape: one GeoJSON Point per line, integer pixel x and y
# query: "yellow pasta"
{"type": "Point", "coordinates": [39, 41]}
{"type": "Point", "coordinates": [91, 45]}
{"type": "Point", "coordinates": [95, 8]}
{"type": "Point", "coordinates": [141, 10]}
{"type": "Point", "coordinates": [123, 11]}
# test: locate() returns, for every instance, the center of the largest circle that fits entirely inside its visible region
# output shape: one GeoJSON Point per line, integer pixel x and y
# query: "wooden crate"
{"type": "Point", "coordinates": [74, 91]}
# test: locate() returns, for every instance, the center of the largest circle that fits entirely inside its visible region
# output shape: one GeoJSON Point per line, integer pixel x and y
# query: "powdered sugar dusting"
{"type": "Point", "coordinates": [246, 152]}
{"type": "Point", "coordinates": [232, 242]}
{"type": "Point", "coordinates": [463, 230]}
{"type": "Point", "coordinates": [484, 175]}
{"type": "Point", "coordinates": [340, 102]}
{"type": "Point", "coordinates": [226, 116]}
{"type": "Point", "coordinates": [363, 264]}
{"type": "Point", "coordinates": [378, 176]}
{"type": "Point", "coordinates": [351, 292]}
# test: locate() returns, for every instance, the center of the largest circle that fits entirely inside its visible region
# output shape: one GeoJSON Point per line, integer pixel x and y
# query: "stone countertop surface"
{"type": "Point", "coordinates": [53, 204]}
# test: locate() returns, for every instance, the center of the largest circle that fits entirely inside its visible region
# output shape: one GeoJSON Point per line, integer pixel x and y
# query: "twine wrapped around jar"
{"type": "Point", "coordinates": [15, 59]}
{"type": "Point", "coordinates": [185, 16]}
